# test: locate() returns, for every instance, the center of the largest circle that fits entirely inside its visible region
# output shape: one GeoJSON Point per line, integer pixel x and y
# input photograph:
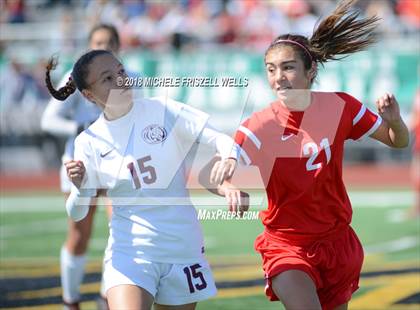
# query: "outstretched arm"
{"type": "Point", "coordinates": [392, 131]}
{"type": "Point", "coordinates": [84, 180]}
{"type": "Point", "coordinates": [76, 209]}
{"type": "Point", "coordinates": [238, 201]}
{"type": "Point", "coordinates": [224, 145]}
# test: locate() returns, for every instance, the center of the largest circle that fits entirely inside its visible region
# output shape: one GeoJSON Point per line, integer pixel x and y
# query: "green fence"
{"type": "Point", "coordinates": [365, 75]}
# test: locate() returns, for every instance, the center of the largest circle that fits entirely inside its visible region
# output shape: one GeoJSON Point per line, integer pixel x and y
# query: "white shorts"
{"type": "Point", "coordinates": [169, 284]}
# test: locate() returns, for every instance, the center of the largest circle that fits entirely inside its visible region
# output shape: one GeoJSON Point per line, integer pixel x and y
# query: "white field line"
{"type": "Point", "coordinates": [369, 199]}
{"type": "Point", "coordinates": [98, 243]}
{"type": "Point", "coordinates": [382, 199]}
{"type": "Point", "coordinates": [33, 228]}
{"type": "Point", "coordinates": [396, 245]}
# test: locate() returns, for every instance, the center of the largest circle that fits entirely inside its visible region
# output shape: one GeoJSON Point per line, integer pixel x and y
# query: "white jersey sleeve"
{"type": "Point", "coordinates": [195, 125]}
{"type": "Point", "coordinates": [219, 142]}
{"type": "Point", "coordinates": [77, 205]}
{"type": "Point", "coordinates": [84, 152]}
{"type": "Point", "coordinates": [192, 120]}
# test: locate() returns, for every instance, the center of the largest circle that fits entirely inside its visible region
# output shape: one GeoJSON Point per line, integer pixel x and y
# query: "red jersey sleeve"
{"type": "Point", "coordinates": [249, 143]}
{"type": "Point", "coordinates": [363, 121]}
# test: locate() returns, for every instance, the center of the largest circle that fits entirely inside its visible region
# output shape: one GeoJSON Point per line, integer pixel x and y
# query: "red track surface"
{"type": "Point", "coordinates": [355, 176]}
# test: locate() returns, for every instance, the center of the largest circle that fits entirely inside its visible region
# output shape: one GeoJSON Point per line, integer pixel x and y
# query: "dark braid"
{"type": "Point", "coordinates": [78, 75]}
{"type": "Point", "coordinates": [64, 92]}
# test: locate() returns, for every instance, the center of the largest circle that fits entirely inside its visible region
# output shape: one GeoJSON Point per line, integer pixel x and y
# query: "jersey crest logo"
{"type": "Point", "coordinates": [154, 134]}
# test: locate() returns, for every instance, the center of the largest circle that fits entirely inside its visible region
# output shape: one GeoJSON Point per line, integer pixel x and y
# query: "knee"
{"type": "Point", "coordinates": [77, 243]}
{"type": "Point", "coordinates": [296, 290]}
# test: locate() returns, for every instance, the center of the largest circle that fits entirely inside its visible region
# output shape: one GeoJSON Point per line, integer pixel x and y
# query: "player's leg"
{"type": "Point", "coordinates": [78, 234]}
{"type": "Point", "coordinates": [180, 307]}
{"type": "Point", "coordinates": [414, 211]}
{"type": "Point", "coordinates": [108, 205]}
{"type": "Point", "coordinates": [72, 258]}
{"type": "Point", "coordinates": [342, 307]}
{"type": "Point", "coordinates": [128, 296]}
{"type": "Point", "coordinates": [101, 301]}
{"type": "Point", "coordinates": [296, 290]}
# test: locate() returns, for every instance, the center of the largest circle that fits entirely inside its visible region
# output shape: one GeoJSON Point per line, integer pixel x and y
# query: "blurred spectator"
{"type": "Point", "coordinates": [166, 25]}
{"type": "Point", "coordinates": [161, 25]}
{"type": "Point", "coordinates": [14, 11]}
{"type": "Point", "coordinates": [409, 12]}
{"type": "Point", "coordinates": [301, 19]}
{"type": "Point", "coordinates": [390, 24]}
{"type": "Point", "coordinates": [21, 101]}
{"type": "Point", "coordinates": [11, 84]}
{"type": "Point", "coordinates": [104, 12]}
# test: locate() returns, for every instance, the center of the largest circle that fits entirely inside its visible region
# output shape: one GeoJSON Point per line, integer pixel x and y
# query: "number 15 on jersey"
{"type": "Point", "coordinates": [143, 171]}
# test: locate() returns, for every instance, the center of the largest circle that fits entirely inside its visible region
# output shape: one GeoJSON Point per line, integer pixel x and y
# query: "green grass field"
{"type": "Point", "coordinates": [33, 227]}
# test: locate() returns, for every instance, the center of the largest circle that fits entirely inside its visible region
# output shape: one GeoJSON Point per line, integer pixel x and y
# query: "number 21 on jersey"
{"type": "Point", "coordinates": [312, 150]}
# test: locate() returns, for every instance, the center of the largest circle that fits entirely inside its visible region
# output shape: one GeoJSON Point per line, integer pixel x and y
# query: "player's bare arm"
{"type": "Point", "coordinates": [237, 200]}
{"type": "Point", "coordinates": [222, 169]}
{"type": "Point", "coordinates": [393, 131]}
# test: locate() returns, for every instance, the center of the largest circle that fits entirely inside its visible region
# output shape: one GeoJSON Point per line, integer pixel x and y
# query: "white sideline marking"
{"type": "Point", "coordinates": [393, 245]}
{"type": "Point", "coordinates": [33, 228]}
{"type": "Point", "coordinates": [359, 199]}
{"type": "Point", "coordinates": [381, 199]}
{"type": "Point", "coordinates": [98, 243]}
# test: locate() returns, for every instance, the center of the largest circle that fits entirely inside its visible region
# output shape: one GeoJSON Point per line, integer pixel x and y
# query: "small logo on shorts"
{"type": "Point", "coordinates": [154, 134]}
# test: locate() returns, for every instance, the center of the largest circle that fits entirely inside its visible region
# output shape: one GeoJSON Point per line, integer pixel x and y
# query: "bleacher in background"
{"type": "Point", "coordinates": [192, 38]}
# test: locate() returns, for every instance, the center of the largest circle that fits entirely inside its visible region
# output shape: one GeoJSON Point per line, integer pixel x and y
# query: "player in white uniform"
{"type": "Point", "coordinates": [67, 119]}
{"type": "Point", "coordinates": [140, 153]}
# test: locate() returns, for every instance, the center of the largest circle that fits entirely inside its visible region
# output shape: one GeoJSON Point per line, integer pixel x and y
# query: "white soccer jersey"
{"type": "Point", "coordinates": [142, 160]}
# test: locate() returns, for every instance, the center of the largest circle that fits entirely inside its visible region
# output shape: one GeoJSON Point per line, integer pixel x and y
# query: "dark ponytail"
{"type": "Point", "coordinates": [64, 92]}
{"type": "Point", "coordinates": [336, 36]}
{"type": "Point", "coordinates": [78, 75]}
{"type": "Point", "coordinates": [342, 33]}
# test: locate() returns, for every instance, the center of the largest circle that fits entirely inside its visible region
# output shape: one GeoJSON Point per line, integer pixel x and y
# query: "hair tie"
{"type": "Point", "coordinates": [295, 43]}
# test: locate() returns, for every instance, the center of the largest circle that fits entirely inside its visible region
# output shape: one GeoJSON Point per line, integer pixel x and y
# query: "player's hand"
{"type": "Point", "coordinates": [75, 171]}
{"type": "Point", "coordinates": [389, 109]}
{"type": "Point", "coordinates": [222, 170]}
{"type": "Point", "coordinates": [238, 201]}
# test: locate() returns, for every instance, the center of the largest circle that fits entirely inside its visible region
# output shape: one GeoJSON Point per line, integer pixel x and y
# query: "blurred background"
{"type": "Point", "coordinates": [195, 38]}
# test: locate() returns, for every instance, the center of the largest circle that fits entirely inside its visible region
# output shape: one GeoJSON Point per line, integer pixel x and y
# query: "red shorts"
{"type": "Point", "coordinates": [334, 262]}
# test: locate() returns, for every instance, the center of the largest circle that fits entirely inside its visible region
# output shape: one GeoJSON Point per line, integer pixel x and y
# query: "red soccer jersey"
{"type": "Point", "coordinates": [299, 155]}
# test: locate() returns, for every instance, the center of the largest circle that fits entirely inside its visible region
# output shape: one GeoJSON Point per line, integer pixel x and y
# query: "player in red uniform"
{"type": "Point", "coordinates": [311, 256]}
